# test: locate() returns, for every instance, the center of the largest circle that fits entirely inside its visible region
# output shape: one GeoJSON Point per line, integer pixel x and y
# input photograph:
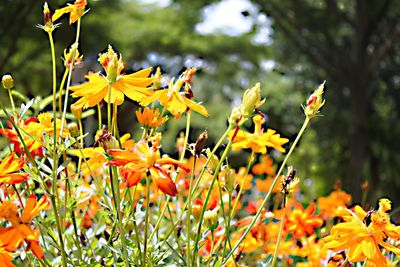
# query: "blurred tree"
{"type": "Point", "coordinates": [355, 46]}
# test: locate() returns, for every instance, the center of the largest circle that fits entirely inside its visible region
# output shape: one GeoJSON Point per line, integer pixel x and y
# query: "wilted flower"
{"type": "Point", "coordinates": [150, 117]}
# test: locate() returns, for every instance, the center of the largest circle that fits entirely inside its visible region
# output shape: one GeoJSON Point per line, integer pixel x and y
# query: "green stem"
{"type": "Point", "coordinates": [99, 116]}
{"type": "Point", "coordinates": [75, 46]}
{"type": "Point", "coordinates": [189, 213]}
{"type": "Point", "coordinates": [109, 108]}
{"type": "Point", "coordinates": [146, 223]}
{"type": "Point", "coordinates": [115, 185]}
{"type": "Point", "coordinates": [60, 94]}
{"type": "Point", "coordinates": [196, 249]}
{"type": "Point", "coordinates": [11, 100]}
{"type": "Point", "coordinates": [306, 121]}
{"type": "Point", "coordinates": [278, 241]}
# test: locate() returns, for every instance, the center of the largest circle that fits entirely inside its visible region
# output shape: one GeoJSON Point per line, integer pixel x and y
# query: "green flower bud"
{"type": "Point", "coordinates": [251, 101]}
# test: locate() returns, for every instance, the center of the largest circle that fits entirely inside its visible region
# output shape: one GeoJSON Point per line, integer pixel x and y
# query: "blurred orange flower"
{"type": "Point", "coordinates": [258, 141]}
{"type": "Point", "coordinates": [334, 205]}
{"type": "Point", "coordinates": [265, 166]}
{"type": "Point", "coordinates": [150, 117]}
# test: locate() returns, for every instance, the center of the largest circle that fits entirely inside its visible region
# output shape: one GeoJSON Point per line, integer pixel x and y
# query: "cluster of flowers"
{"type": "Point", "coordinates": [121, 201]}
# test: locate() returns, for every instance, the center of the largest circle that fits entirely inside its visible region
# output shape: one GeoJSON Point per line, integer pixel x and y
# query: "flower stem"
{"type": "Point", "coordinates": [11, 100]}
{"type": "Point", "coordinates": [306, 121]}
{"type": "Point", "coordinates": [146, 223]}
{"type": "Point", "coordinates": [189, 213]}
{"type": "Point", "coordinates": [278, 241]}
{"type": "Point", "coordinates": [196, 249]}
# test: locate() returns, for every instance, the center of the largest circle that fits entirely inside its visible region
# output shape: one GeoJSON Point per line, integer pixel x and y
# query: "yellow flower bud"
{"type": "Point", "coordinates": [315, 102]}
{"type": "Point", "coordinates": [229, 180]}
{"type": "Point", "coordinates": [73, 129]}
{"type": "Point", "coordinates": [251, 101]}
{"type": "Point", "coordinates": [112, 69]}
{"type": "Point", "coordinates": [385, 204]}
{"type": "Point", "coordinates": [157, 79]}
{"type": "Point", "coordinates": [211, 219]}
{"type": "Point", "coordinates": [235, 116]}
{"type": "Point", "coordinates": [7, 81]}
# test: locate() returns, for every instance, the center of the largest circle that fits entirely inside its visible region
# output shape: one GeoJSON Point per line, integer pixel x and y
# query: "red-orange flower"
{"type": "Point", "coordinates": [12, 237]}
{"type": "Point", "coordinates": [9, 168]}
{"type": "Point", "coordinates": [302, 221]}
{"type": "Point", "coordinates": [143, 159]}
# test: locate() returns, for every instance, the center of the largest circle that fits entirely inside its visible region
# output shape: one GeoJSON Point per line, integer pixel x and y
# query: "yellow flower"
{"type": "Point", "coordinates": [363, 239]}
{"type": "Point", "coordinates": [98, 86]}
{"type": "Point", "coordinates": [258, 141]}
{"type": "Point", "coordinates": [150, 117]}
{"type": "Point", "coordinates": [174, 100]}
{"type": "Point", "coordinates": [75, 10]}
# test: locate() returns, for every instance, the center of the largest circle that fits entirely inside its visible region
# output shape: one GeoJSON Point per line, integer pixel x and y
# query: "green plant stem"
{"type": "Point", "coordinates": [251, 159]}
{"type": "Point", "coordinates": [278, 241]}
{"type": "Point", "coordinates": [306, 121]}
{"type": "Point", "coordinates": [181, 158]}
{"type": "Point", "coordinates": [189, 213]}
{"type": "Point", "coordinates": [99, 116]}
{"type": "Point", "coordinates": [11, 100]}
{"type": "Point", "coordinates": [60, 94]}
{"type": "Point", "coordinates": [115, 185]}
{"type": "Point", "coordinates": [78, 29]}
{"type": "Point", "coordinates": [146, 222]}
{"type": "Point", "coordinates": [216, 172]}
{"type": "Point", "coordinates": [219, 143]}
{"type": "Point", "coordinates": [109, 108]}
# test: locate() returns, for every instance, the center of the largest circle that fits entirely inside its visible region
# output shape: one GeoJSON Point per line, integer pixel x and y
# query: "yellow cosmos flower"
{"type": "Point", "coordinates": [75, 10]}
{"type": "Point", "coordinates": [174, 100]}
{"type": "Point", "coordinates": [98, 86]}
{"type": "Point", "coordinates": [150, 117]}
{"type": "Point", "coordinates": [258, 141]}
{"type": "Point", "coordinates": [363, 239]}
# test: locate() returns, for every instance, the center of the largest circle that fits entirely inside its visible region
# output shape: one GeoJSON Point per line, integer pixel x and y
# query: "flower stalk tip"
{"type": "Point", "coordinates": [315, 102]}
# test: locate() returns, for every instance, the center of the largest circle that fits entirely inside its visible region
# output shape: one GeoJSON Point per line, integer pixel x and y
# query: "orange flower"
{"type": "Point", "coordinates": [363, 239]}
{"type": "Point", "coordinates": [97, 87]}
{"type": "Point", "coordinates": [8, 168]}
{"type": "Point", "coordinates": [13, 236]}
{"type": "Point", "coordinates": [6, 257]}
{"type": "Point", "coordinates": [150, 117]}
{"type": "Point", "coordinates": [301, 222]}
{"type": "Point", "coordinates": [265, 166]}
{"type": "Point", "coordinates": [75, 10]}
{"type": "Point", "coordinates": [334, 205]}
{"type": "Point", "coordinates": [264, 185]}
{"type": "Point", "coordinates": [258, 141]}
{"type": "Point", "coordinates": [175, 101]}
{"type": "Point", "coordinates": [144, 159]}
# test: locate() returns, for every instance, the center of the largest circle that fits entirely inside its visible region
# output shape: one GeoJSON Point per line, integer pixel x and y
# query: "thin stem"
{"type": "Point", "coordinates": [99, 116]}
{"type": "Point", "coordinates": [109, 108]}
{"type": "Point", "coordinates": [306, 121]}
{"type": "Point", "coordinates": [60, 91]}
{"type": "Point", "coordinates": [278, 241]}
{"type": "Point", "coordinates": [189, 213]}
{"type": "Point", "coordinates": [75, 46]}
{"type": "Point", "coordinates": [196, 249]}
{"type": "Point", "coordinates": [146, 223]}
{"type": "Point", "coordinates": [11, 100]}
{"type": "Point", "coordinates": [115, 185]}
